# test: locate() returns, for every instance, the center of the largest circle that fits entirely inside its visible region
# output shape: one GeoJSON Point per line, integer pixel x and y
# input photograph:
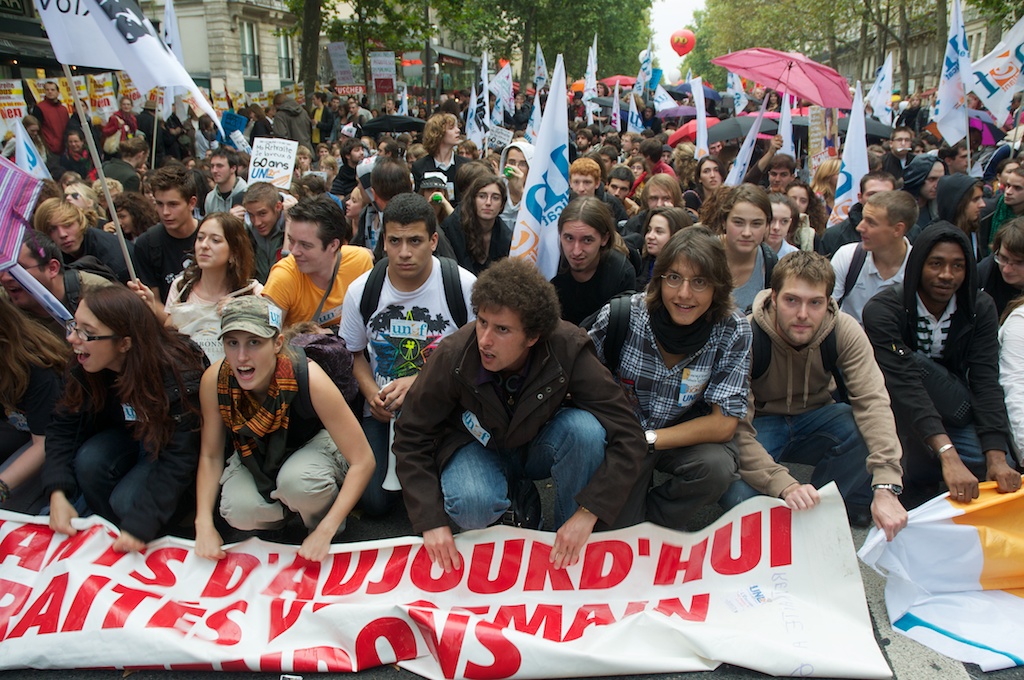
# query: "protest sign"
{"type": "Point", "coordinates": [102, 98]}
{"type": "Point", "coordinates": [821, 140]}
{"type": "Point", "coordinates": [763, 588]}
{"type": "Point", "coordinates": [125, 88]}
{"type": "Point", "coordinates": [498, 138]}
{"type": "Point", "coordinates": [338, 51]}
{"type": "Point", "coordinates": [955, 577]}
{"type": "Point", "coordinates": [382, 70]}
{"type": "Point", "coordinates": [273, 160]}
{"type": "Point", "coordinates": [12, 105]}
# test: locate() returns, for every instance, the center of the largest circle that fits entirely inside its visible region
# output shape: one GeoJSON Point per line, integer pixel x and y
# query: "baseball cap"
{"type": "Point", "coordinates": [252, 314]}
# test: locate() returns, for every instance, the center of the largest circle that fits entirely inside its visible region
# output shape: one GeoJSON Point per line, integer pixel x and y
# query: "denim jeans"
{"type": "Point", "coordinates": [826, 438]}
{"type": "Point", "coordinates": [111, 469]}
{"type": "Point", "coordinates": [921, 467]}
{"type": "Point", "coordinates": [569, 449]}
{"type": "Point", "coordinates": [376, 500]}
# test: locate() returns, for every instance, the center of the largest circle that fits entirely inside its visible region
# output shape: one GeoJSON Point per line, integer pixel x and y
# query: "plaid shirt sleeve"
{"type": "Point", "coordinates": [730, 373]}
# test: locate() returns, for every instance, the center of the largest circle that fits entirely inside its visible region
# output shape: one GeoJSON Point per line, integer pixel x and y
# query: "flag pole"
{"type": "Point", "coordinates": [152, 163]}
{"type": "Point", "coordinates": [91, 143]}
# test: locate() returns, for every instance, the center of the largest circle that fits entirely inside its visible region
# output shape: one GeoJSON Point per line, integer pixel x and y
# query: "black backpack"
{"type": "Point", "coordinates": [761, 357]}
{"type": "Point", "coordinates": [73, 281]}
{"type": "Point", "coordinates": [860, 256]}
{"type": "Point", "coordinates": [449, 277]}
{"type": "Point", "coordinates": [618, 326]}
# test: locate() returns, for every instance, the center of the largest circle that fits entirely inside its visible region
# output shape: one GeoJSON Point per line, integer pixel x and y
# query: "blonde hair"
{"type": "Point", "coordinates": [58, 211]}
{"type": "Point", "coordinates": [96, 211]}
{"type": "Point", "coordinates": [826, 171]}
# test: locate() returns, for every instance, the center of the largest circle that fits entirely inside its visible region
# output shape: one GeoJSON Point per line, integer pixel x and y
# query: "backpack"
{"type": "Point", "coordinates": [449, 277]}
{"type": "Point", "coordinates": [761, 358]}
{"type": "Point", "coordinates": [618, 326]}
{"type": "Point", "coordinates": [860, 256]}
{"type": "Point", "coordinates": [73, 282]}
{"type": "Point", "coordinates": [331, 354]}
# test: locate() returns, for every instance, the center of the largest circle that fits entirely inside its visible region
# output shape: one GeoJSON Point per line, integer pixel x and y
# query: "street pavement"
{"type": "Point", "coordinates": [907, 659]}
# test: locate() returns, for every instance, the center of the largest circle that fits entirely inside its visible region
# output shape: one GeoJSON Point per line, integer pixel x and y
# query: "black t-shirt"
{"type": "Point", "coordinates": [159, 257]}
{"type": "Point", "coordinates": [614, 275]}
{"type": "Point", "coordinates": [36, 404]}
{"type": "Point", "coordinates": [427, 167]}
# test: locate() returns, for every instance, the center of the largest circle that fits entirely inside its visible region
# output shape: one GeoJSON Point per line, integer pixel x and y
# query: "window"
{"type": "Point", "coordinates": [285, 62]}
{"type": "Point", "coordinates": [250, 50]}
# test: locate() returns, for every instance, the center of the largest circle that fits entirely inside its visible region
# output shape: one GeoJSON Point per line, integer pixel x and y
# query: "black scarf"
{"type": "Point", "coordinates": [675, 339]}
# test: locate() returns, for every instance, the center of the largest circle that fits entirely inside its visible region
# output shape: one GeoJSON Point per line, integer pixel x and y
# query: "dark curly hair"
{"type": "Point", "coordinates": [518, 285]}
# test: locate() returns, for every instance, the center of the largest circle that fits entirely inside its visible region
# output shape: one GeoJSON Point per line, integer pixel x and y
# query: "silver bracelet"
{"type": "Point", "coordinates": [943, 449]}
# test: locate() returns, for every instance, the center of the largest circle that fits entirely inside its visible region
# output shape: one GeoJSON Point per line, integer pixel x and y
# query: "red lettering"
{"type": "Point", "coordinates": [282, 619]}
{"type": "Point", "coordinates": [271, 663]}
{"type": "Point", "coordinates": [589, 615]}
{"type": "Point", "coordinates": [27, 544]}
{"type": "Point", "coordinates": [547, 615]}
{"type": "Point", "coordinates": [698, 610]}
{"type": "Point", "coordinates": [722, 560]}
{"type": "Point", "coordinates": [670, 563]}
{"type": "Point", "coordinates": [309, 660]}
{"type": "Point", "coordinates": [618, 557]}
{"type": "Point", "coordinates": [229, 573]}
{"type": "Point", "coordinates": [507, 658]}
{"type": "Point", "coordinates": [337, 584]}
{"type": "Point", "coordinates": [228, 632]}
{"type": "Point", "coordinates": [541, 569]}
{"type": "Point", "coordinates": [236, 665]}
{"type": "Point", "coordinates": [157, 563]}
{"type": "Point", "coordinates": [109, 558]}
{"type": "Point", "coordinates": [635, 608]}
{"type": "Point", "coordinates": [299, 577]}
{"type": "Point", "coordinates": [448, 648]}
{"type": "Point", "coordinates": [80, 606]}
{"type": "Point", "coordinates": [176, 616]}
{"type": "Point", "coordinates": [422, 578]}
{"type": "Point", "coordinates": [73, 544]}
{"type": "Point", "coordinates": [508, 567]}
{"type": "Point", "coordinates": [44, 612]}
{"type": "Point", "coordinates": [780, 522]}
{"type": "Point", "coordinates": [16, 595]}
{"type": "Point", "coordinates": [393, 571]}
{"type": "Point", "coordinates": [123, 606]}
{"type": "Point", "coordinates": [398, 634]}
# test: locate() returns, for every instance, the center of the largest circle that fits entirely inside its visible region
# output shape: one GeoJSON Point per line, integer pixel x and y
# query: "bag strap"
{"type": "Point", "coordinates": [453, 291]}
{"type": "Point", "coordinates": [330, 287]}
{"type": "Point", "coordinates": [618, 325]}
{"type": "Point", "coordinates": [860, 256]}
{"type": "Point", "coordinates": [760, 351]}
{"type": "Point", "coordinates": [301, 367]}
{"type": "Point", "coordinates": [371, 291]}
{"type": "Point", "coordinates": [72, 288]}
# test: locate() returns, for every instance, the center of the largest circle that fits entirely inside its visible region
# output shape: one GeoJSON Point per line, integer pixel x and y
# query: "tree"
{"type": "Point", "coordinates": [699, 58]}
{"type": "Point", "coordinates": [389, 25]}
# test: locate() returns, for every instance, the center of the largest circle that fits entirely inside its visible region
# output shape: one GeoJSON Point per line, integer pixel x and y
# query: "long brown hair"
{"type": "Point", "coordinates": [24, 343]}
{"type": "Point", "coordinates": [155, 352]}
{"type": "Point", "coordinates": [593, 212]}
{"type": "Point", "coordinates": [241, 262]}
{"type": "Point", "coordinates": [471, 226]}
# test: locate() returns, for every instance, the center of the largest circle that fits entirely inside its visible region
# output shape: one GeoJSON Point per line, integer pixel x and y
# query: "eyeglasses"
{"type": "Point", "coordinates": [1003, 261]}
{"type": "Point", "coordinates": [698, 284]}
{"type": "Point", "coordinates": [72, 327]}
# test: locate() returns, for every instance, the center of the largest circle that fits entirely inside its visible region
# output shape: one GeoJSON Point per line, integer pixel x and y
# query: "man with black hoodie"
{"type": "Point", "coordinates": [960, 201]}
{"type": "Point", "coordinates": [921, 180]}
{"type": "Point", "coordinates": [938, 316]}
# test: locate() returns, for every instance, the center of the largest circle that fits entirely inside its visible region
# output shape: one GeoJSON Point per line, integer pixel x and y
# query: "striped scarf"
{"type": "Point", "coordinates": [259, 432]}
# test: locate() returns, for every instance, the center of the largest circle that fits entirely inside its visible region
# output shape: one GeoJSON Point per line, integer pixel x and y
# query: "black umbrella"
{"type": "Point", "coordinates": [872, 127]}
{"type": "Point", "coordinates": [381, 124]}
{"type": "Point", "coordinates": [739, 126]}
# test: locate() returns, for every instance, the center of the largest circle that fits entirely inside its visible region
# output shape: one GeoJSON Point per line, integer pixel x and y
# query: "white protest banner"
{"type": "Point", "coordinates": [590, 83]}
{"type": "Point", "coordinates": [338, 52]}
{"type": "Point", "coordinates": [382, 70]}
{"type": "Point", "coordinates": [546, 193]}
{"type": "Point", "coordinates": [74, 36]}
{"type": "Point", "coordinates": [102, 98]}
{"type": "Point", "coordinates": [662, 99]}
{"type": "Point", "coordinates": [634, 123]}
{"type": "Point", "coordinates": [697, 89]}
{"type": "Point", "coordinates": [742, 162]}
{"type": "Point", "coordinates": [12, 105]}
{"type": "Point", "coordinates": [855, 162]}
{"type": "Point", "coordinates": [763, 588]}
{"type": "Point", "coordinates": [273, 160]}
{"type": "Point", "coordinates": [949, 113]}
{"type": "Point", "coordinates": [615, 118]}
{"type": "Point", "coordinates": [501, 86]}
{"type": "Point", "coordinates": [498, 138]}
{"type": "Point", "coordinates": [880, 94]}
{"type": "Point", "coordinates": [955, 576]}
{"type": "Point", "coordinates": [26, 155]}
{"type": "Point", "coordinates": [997, 74]}
{"type": "Point", "coordinates": [540, 71]}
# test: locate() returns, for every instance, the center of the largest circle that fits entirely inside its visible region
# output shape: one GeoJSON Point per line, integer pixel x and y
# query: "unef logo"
{"type": "Point", "coordinates": [1004, 74]}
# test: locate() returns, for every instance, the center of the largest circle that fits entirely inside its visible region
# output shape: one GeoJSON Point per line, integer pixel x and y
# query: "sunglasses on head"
{"type": "Point", "coordinates": [75, 195]}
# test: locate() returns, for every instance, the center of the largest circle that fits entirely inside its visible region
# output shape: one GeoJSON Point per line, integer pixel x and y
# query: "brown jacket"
{"type": "Point", "coordinates": [431, 427]}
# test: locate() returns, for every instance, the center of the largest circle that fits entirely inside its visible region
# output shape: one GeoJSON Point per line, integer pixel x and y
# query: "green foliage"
{"type": "Point", "coordinates": [1005, 10]}
{"type": "Point", "coordinates": [699, 58]}
{"type": "Point", "coordinates": [392, 26]}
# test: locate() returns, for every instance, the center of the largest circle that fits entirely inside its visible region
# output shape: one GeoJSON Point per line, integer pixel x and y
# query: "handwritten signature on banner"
{"type": "Point", "coordinates": [505, 613]}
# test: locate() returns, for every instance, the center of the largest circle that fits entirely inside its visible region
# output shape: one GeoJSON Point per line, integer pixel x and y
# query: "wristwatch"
{"type": "Point", "coordinates": [652, 437]}
{"type": "Point", "coordinates": [895, 488]}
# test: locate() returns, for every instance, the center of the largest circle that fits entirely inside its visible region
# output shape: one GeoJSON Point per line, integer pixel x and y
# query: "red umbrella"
{"type": "Point", "coordinates": [688, 132]}
{"type": "Point", "coordinates": [623, 81]}
{"type": "Point", "coordinates": [792, 73]}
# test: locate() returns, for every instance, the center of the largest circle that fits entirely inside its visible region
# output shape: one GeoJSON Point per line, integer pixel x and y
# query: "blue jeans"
{"type": "Point", "coordinates": [375, 500]}
{"type": "Point", "coordinates": [920, 466]}
{"type": "Point", "coordinates": [111, 469]}
{"type": "Point", "coordinates": [826, 438]}
{"type": "Point", "coordinates": [569, 449]}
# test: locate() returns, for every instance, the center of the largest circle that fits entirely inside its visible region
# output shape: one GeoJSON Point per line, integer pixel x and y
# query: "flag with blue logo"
{"type": "Point", "coordinates": [590, 83]}
{"type": "Point", "coordinates": [646, 74]}
{"type": "Point", "coordinates": [662, 99]}
{"type": "Point", "coordinates": [403, 103]}
{"type": "Point", "coordinates": [997, 75]}
{"type": "Point", "coordinates": [735, 90]}
{"type": "Point", "coordinates": [540, 71]}
{"type": "Point", "coordinates": [855, 161]}
{"type": "Point", "coordinates": [615, 119]}
{"type": "Point", "coordinates": [546, 192]}
{"type": "Point", "coordinates": [533, 127]}
{"type": "Point", "coordinates": [880, 94]}
{"type": "Point", "coordinates": [950, 112]}
{"type": "Point", "coordinates": [26, 155]}
{"type": "Point", "coordinates": [634, 123]}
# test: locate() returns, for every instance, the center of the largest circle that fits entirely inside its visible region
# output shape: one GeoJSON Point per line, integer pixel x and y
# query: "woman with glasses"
{"type": "Point", "coordinates": [684, 363]}
{"type": "Point", "coordinates": [124, 439]}
{"type": "Point", "coordinates": [1001, 274]}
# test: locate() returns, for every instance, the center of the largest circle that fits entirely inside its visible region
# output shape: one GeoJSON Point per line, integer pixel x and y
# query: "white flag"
{"type": "Point", "coordinates": [786, 126]}
{"type": "Point", "coordinates": [996, 76]}
{"type": "Point", "coordinates": [76, 38]}
{"type": "Point", "coordinates": [662, 99]}
{"type": "Point", "coordinates": [646, 71]}
{"type": "Point", "coordinates": [540, 71]}
{"type": "Point", "coordinates": [742, 162]}
{"type": "Point", "coordinates": [950, 113]}
{"type": "Point", "coordinates": [689, 75]}
{"type": "Point", "coordinates": [615, 119]}
{"type": "Point", "coordinates": [697, 90]}
{"type": "Point", "coordinates": [26, 155]}
{"type": "Point", "coordinates": [533, 127]}
{"type": "Point", "coordinates": [547, 185]}
{"type": "Point", "coordinates": [590, 83]}
{"type": "Point", "coordinates": [735, 90]}
{"type": "Point", "coordinates": [475, 130]}
{"type": "Point", "coordinates": [855, 161]}
{"type": "Point", "coordinates": [403, 103]}
{"type": "Point", "coordinates": [880, 94]}
{"type": "Point", "coordinates": [501, 86]}
{"type": "Point", "coordinates": [498, 113]}
{"type": "Point", "coordinates": [634, 123]}
{"type": "Point", "coordinates": [172, 38]}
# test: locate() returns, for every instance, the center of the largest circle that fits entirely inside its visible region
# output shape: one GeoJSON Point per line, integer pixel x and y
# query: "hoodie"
{"type": "Point", "coordinates": [890, 320]}
{"type": "Point", "coordinates": [952, 190]}
{"type": "Point", "coordinates": [292, 122]}
{"type": "Point", "coordinates": [511, 211]}
{"type": "Point", "coordinates": [914, 176]}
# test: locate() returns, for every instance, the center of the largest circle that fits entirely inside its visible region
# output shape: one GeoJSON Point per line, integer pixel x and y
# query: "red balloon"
{"type": "Point", "coordinates": [683, 41]}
